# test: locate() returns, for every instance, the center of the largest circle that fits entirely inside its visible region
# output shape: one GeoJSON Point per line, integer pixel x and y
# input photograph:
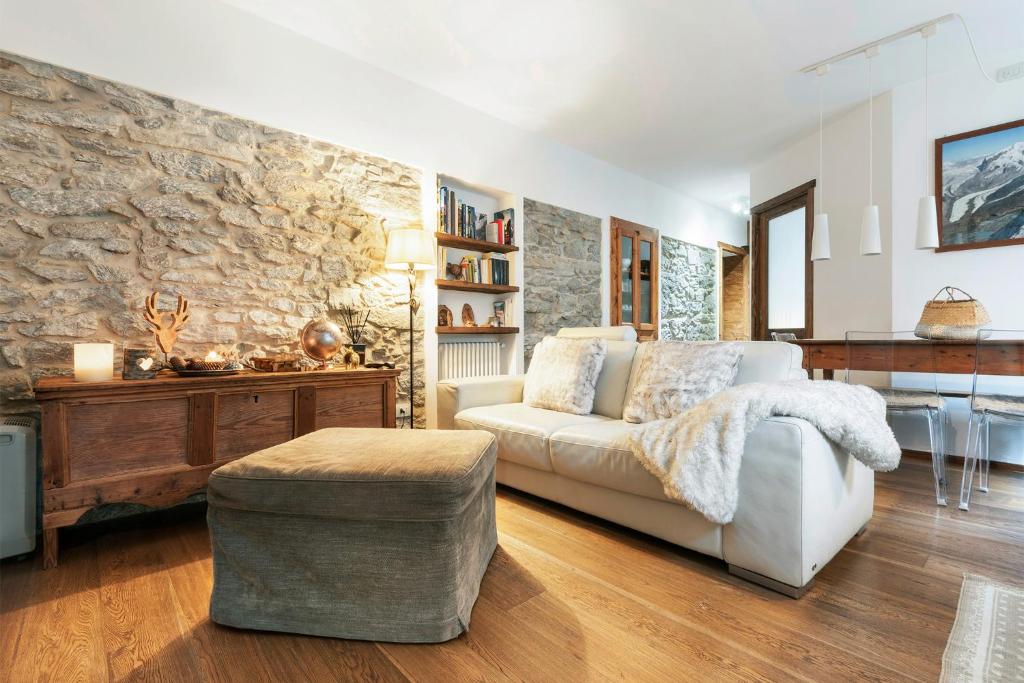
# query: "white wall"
{"type": "Point", "coordinates": [959, 101]}
{"type": "Point", "coordinates": [851, 292]}
{"type": "Point", "coordinates": [223, 58]}
{"type": "Point", "coordinates": [888, 291]}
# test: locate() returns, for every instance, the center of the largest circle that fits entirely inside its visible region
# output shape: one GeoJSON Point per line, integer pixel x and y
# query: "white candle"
{"type": "Point", "coordinates": [94, 362]}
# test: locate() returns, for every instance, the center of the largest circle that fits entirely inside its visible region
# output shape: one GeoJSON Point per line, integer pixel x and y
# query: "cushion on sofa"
{"type": "Point", "coordinates": [611, 333]}
{"type": "Point", "coordinates": [599, 454]}
{"type": "Point", "coordinates": [766, 361]}
{"type": "Point", "coordinates": [670, 376]}
{"type": "Point", "coordinates": [522, 431]}
{"type": "Point", "coordinates": [563, 374]}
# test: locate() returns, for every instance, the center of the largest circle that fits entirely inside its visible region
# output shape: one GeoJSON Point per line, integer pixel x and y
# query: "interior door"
{"type": "Point", "coordinates": [782, 297]}
{"type": "Point", "coordinates": [634, 277]}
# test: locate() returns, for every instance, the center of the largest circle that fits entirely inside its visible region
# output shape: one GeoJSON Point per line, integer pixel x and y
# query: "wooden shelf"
{"type": "Point", "coordinates": [475, 287]}
{"type": "Point", "coordinates": [446, 240]}
{"type": "Point", "coordinates": [477, 330]}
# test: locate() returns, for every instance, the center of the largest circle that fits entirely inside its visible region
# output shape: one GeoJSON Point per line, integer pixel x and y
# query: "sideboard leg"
{"type": "Point", "coordinates": [50, 548]}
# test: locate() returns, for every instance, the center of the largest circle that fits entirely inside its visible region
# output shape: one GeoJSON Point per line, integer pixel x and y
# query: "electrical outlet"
{"type": "Point", "coordinates": [1011, 72]}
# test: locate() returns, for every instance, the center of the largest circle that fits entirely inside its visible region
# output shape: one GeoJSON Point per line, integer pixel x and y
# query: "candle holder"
{"type": "Point", "coordinates": [139, 364]}
{"type": "Point", "coordinates": [94, 362]}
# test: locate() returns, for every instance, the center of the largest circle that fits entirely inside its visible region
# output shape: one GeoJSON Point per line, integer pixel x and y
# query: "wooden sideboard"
{"type": "Point", "coordinates": [155, 441]}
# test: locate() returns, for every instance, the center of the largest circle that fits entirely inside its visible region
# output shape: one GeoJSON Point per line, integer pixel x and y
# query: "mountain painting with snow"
{"type": "Point", "coordinates": [982, 201]}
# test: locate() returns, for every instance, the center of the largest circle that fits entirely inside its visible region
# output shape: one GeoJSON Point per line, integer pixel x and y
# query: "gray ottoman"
{"type": "Point", "coordinates": [373, 534]}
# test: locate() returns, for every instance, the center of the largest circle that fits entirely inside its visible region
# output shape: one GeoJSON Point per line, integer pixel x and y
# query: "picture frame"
{"type": "Point", "coordinates": [499, 313]}
{"type": "Point", "coordinates": [979, 187]}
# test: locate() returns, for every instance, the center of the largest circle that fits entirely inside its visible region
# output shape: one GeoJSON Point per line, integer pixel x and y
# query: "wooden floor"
{"type": "Point", "coordinates": [567, 598]}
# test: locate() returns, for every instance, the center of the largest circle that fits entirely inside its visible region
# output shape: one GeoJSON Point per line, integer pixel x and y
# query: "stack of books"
{"type": "Point", "coordinates": [487, 269]}
{"type": "Point", "coordinates": [455, 217]}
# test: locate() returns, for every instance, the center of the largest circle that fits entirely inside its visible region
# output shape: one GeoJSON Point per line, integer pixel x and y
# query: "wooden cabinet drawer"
{"type": "Point", "coordinates": [352, 406]}
{"type": "Point", "coordinates": [248, 422]}
{"type": "Point", "coordinates": [106, 439]}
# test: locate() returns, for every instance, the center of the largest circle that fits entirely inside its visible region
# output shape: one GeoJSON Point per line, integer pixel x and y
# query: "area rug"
{"type": "Point", "coordinates": [987, 640]}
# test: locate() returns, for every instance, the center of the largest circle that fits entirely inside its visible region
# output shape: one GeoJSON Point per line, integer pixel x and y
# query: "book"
{"type": "Point", "coordinates": [442, 208]}
{"type": "Point", "coordinates": [450, 214]}
{"type": "Point", "coordinates": [491, 231]}
{"type": "Point", "coordinates": [508, 224]}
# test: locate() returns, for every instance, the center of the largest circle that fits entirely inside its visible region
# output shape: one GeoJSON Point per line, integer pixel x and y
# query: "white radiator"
{"type": "Point", "coordinates": [468, 359]}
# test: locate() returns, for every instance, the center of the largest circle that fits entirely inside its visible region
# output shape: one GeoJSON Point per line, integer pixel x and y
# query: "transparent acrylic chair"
{"type": "Point", "coordinates": [880, 360]}
{"type": "Point", "coordinates": [997, 397]}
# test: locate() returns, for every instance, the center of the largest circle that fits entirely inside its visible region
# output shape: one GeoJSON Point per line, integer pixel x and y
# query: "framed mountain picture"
{"type": "Point", "coordinates": [979, 178]}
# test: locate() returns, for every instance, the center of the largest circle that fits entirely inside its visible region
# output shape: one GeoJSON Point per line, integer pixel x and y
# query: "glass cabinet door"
{"type": "Point", "coordinates": [634, 286]}
{"type": "Point", "coordinates": [626, 260]}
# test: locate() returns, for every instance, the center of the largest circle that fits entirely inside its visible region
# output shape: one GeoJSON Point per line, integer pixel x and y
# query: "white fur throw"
{"type": "Point", "coordinates": [674, 375]}
{"type": "Point", "coordinates": [696, 455]}
{"type": "Point", "coordinates": [563, 373]}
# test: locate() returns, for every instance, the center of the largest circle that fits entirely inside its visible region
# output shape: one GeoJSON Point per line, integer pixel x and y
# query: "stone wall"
{"type": "Point", "coordinates": [110, 192]}
{"type": "Point", "coordinates": [562, 270]}
{"type": "Point", "coordinates": [688, 300]}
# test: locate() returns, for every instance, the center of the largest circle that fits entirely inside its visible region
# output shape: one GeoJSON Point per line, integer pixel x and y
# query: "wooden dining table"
{"type": "Point", "coordinates": [953, 357]}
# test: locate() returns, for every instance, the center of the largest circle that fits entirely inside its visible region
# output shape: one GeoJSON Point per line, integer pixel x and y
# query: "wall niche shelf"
{"type": "Point", "coordinates": [461, 286]}
{"type": "Point", "coordinates": [456, 242]}
{"type": "Point", "coordinates": [476, 330]}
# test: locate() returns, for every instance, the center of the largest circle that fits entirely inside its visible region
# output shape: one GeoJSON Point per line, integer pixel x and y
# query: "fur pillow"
{"type": "Point", "coordinates": [675, 375]}
{"type": "Point", "coordinates": [563, 373]}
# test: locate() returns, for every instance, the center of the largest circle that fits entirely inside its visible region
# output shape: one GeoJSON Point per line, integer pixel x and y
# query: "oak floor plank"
{"type": "Point", "coordinates": [50, 625]}
{"type": "Point", "coordinates": [567, 597]}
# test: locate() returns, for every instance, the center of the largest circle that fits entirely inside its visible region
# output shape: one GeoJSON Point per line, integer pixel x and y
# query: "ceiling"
{"type": "Point", "coordinates": [688, 93]}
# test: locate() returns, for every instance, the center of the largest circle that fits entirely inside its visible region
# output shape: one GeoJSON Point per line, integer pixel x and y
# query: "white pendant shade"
{"type": "Point", "coordinates": [927, 224]}
{"type": "Point", "coordinates": [870, 233]}
{"type": "Point", "coordinates": [821, 250]}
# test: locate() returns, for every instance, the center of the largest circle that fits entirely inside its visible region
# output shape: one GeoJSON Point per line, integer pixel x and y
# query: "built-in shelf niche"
{"type": "Point", "coordinates": [481, 296]}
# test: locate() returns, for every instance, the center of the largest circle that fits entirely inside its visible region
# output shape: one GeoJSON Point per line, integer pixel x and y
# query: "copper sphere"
{"type": "Point", "coordinates": [321, 340]}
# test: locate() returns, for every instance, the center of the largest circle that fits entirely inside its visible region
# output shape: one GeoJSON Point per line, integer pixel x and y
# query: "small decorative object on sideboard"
{"type": "Point", "coordinates": [166, 325]}
{"type": "Point", "coordinates": [282, 362]}
{"type": "Point", "coordinates": [351, 359]}
{"type": "Point", "coordinates": [499, 313]}
{"type": "Point", "coordinates": [139, 364]}
{"type": "Point", "coordinates": [211, 365]}
{"type": "Point", "coordinates": [468, 319]}
{"type": "Point", "coordinates": [94, 362]}
{"type": "Point", "coordinates": [355, 322]}
{"type": "Point", "coordinates": [445, 318]}
{"type": "Point", "coordinates": [321, 340]}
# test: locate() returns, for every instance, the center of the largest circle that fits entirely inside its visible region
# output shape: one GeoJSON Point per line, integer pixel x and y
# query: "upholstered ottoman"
{"type": "Point", "coordinates": [373, 534]}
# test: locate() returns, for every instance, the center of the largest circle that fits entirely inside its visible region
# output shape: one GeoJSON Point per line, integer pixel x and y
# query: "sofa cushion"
{"type": "Point", "coordinates": [765, 361]}
{"type": "Point", "coordinates": [563, 374]}
{"type": "Point", "coordinates": [599, 454]}
{"type": "Point", "coordinates": [522, 431]}
{"type": "Point", "coordinates": [612, 333]}
{"type": "Point", "coordinates": [671, 376]}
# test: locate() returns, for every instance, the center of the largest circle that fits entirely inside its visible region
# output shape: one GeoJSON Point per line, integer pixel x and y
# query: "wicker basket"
{"type": "Point", "coordinates": [952, 318]}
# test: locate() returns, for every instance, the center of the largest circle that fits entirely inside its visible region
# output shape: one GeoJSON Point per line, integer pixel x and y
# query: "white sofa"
{"type": "Point", "coordinates": [801, 497]}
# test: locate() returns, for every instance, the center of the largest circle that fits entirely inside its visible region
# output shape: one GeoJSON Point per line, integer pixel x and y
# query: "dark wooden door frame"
{"type": "Point", "coordinates": [638, 232]}
{"type": "Point", "coordinates": [743, 253]}
{"type": "Point", "coordinates": [802, 196]}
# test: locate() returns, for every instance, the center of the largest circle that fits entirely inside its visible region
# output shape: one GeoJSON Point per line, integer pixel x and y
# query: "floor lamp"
{"type": "Point", "coordinates": [410, 249]}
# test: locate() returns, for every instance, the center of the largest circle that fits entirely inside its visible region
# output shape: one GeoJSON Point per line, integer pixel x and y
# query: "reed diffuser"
{"type": "Point", "coordinates": [355, 323]}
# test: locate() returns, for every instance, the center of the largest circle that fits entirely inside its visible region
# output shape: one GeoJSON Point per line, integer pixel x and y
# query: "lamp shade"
{"type": "Point", "coordinates": [409, 248]}
{"type": "Point", "coordinates": [870, 232]}
{"type": "Point", "coordinates": [927, 224]}
{"type": "Point", "coordinates": [820, 248]}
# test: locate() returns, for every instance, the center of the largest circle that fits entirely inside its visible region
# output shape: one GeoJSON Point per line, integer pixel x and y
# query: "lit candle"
{"type": "Point", "coordinates": [94, 362]}
{"type": "Point", "coordinates": [214, 356]}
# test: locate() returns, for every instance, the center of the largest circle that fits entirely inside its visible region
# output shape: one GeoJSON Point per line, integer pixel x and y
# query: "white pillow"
{"type": "Point", "coordinates": [563, 373]}
{"type": "Point", "coordinates": [675, 375]}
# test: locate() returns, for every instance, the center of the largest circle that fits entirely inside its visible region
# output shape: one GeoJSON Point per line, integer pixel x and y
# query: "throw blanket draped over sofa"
{"type": "Point", "coordinates": [696, 455]}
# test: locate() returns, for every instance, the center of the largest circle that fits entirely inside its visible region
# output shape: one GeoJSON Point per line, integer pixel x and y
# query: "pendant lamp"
{"type": "Point", "coordinates": [870, 232]}
{"type": "Point", "coordinates": [820, 249]}
{"type": "Point", "coordinates": [927, 218]}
